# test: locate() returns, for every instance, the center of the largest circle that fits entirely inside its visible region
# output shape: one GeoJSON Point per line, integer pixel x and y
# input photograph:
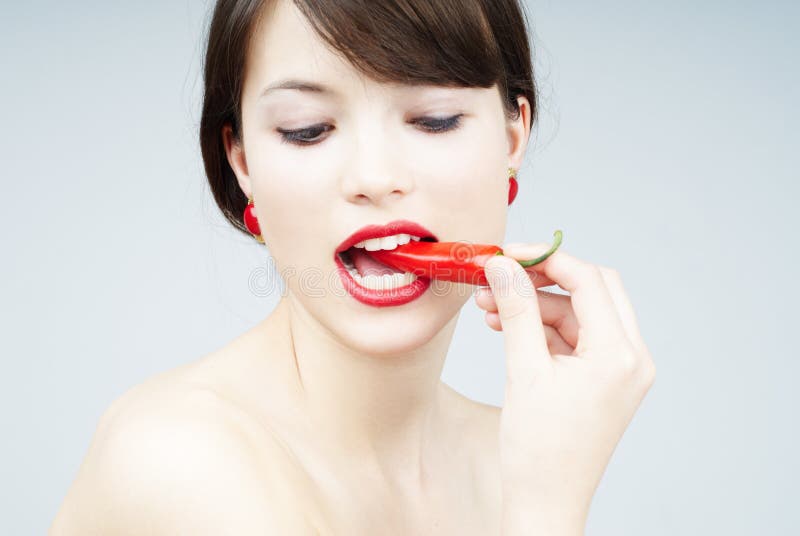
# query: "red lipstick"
{"type": "Point", "coordinates": [379, 231]}
{"type": "Point", "coordinates": [387, 297]}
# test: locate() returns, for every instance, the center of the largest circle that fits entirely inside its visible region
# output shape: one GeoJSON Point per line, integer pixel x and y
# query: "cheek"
{"type": "Point", "coordinates": [294, 180]}
{"type": "Point", "coordinates": [473, 187]}
{"type": "Point", "coordinates": [469, 161]}
{"type": "Point", "coordinates": [282, 173]}
{"type": "Point", "coordinates": [291, 206]}
{"type": "Point", "coordinates": [474, 168]}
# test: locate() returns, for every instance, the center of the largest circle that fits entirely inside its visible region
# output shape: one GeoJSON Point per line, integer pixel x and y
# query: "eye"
{"type": "Point", "coordinates": [311, 135]}
{"type": "Point", "coordinates": [304, 136]}
{"type": "Point", "coordinates": [435, 124]}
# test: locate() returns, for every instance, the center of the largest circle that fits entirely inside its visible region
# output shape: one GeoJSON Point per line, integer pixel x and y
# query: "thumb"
{"type": "Point", "coordinates": [518, 309]}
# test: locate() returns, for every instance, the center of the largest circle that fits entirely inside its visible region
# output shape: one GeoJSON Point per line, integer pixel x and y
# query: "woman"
{"type": "Point", "coordinates": [334, 125]}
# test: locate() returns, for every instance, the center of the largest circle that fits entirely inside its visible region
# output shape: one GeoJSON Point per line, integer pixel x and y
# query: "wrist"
{"type": "Point", "coordinates": [522, 516]}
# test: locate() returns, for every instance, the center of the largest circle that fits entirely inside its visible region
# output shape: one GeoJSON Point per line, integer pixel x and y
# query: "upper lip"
{"type": "Point", "coordinates": [389, 229]}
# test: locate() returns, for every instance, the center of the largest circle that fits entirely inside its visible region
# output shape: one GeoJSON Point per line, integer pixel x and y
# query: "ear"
{"type": "Point", "coordinates": [236, 158]}
{"type": "Point", "coordinates": [518, 132]}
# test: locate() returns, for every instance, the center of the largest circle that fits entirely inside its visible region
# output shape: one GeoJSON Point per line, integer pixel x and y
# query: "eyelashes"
{"type": "Point", "coordinates": [304, 136]}
{"type": "Point", "coordinates": [311, 135]}
{"type": "Point", "coordinates": [433, 124]}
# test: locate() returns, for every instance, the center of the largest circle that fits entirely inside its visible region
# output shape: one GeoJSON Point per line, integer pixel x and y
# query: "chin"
{"type": "Point", "coordinates": [386, 341]}
{"type": "Point", "coordinates": [393, 331]}
{"type": "Point", "coordinates": [386, 331]}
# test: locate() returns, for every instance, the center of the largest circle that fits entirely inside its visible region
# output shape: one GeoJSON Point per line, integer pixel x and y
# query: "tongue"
{"type": "Point", "coordinates": [366, 265]}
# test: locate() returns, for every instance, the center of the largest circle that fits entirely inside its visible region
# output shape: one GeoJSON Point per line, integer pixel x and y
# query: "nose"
{"type": "Point", "coordinates": [374, 174]}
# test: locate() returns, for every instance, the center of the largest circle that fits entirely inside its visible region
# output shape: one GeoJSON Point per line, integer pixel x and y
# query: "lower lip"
{"type": "Point", "coordinates": [381, 298]}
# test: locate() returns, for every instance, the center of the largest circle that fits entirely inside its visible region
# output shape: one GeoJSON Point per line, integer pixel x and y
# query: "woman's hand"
{"type": "Point", "coordinates": [577, 370]}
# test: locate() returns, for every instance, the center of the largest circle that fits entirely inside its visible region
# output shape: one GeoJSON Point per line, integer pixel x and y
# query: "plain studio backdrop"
{"type": "Point", "coordinates": [667, 149]}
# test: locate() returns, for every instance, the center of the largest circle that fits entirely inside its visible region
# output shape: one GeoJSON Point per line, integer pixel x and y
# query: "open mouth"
{"type": "Point", "coordinates": [373, 274]}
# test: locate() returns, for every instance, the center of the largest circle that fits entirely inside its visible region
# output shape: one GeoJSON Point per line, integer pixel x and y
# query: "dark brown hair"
{"type": "Point", "coordinates": [461, 43]}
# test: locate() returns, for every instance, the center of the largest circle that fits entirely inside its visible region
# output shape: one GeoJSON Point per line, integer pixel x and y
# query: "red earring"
{"type": "Point", "coordinates": [513, 187]}
{"type": "Point", "coordinates": [251, 222]}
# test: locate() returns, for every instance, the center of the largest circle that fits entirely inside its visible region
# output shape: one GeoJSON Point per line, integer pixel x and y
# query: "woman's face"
{"type": "Point", "coordinates": [367, 160]}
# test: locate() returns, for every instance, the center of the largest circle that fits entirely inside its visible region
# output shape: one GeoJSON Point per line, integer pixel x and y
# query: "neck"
{"type": "Point", "coordinates": [384, 412]}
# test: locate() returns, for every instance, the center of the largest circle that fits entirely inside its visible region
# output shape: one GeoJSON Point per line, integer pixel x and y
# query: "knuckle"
{"type": "Point", "coordinates": [514, 310]}
{"type": "Point", "coordinates": [611, 274]}
{"type": "Point", "coordinates": [648, 372]}
{"type": "Point", "coordinates": [589, 273]}
{"type": "Point", "coordinates": [594, 273]}
{"type": "Point", "coordinates": [640, 373]}
{"type": "Point", "coordinates": [627, 363]}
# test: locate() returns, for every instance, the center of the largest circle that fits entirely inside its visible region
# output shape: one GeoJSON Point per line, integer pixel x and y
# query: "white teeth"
{"type": "Point", "coordinates": [386, 242]}
{"type": "Point", "coordinates": [373, 244]}
{"type": "Point", "coordinates": [379, 282]}
{"type": "Point", "coordinates": [385, 281]}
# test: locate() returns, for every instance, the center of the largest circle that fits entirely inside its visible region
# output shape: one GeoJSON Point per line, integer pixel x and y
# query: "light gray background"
{"type": "Point", "coordinates": [664, 151]}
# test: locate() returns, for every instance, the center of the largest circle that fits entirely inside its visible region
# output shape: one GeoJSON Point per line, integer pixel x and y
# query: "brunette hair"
{"type": "Point", "coordinates": [461, 43]}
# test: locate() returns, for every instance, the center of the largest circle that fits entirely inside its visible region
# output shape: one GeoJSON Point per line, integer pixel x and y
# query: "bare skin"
{"type": "Point", "coordinates": [250, 403]}
{"type": "Point", "coordinates": [329, 417]}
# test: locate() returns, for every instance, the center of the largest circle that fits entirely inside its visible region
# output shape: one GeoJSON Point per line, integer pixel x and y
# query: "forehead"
{"type": "Point", "coordinates": [285, 50]}
{"type": "Point", "coordinates": [284, 46]}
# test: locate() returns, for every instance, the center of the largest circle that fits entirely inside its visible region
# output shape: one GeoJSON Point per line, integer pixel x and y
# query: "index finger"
{"type": "Point", "coordinates": [599, 323]}
{"type": "Point", "coordinates": [527, 352]}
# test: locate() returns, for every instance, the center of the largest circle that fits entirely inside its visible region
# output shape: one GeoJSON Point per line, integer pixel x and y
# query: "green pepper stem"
{"type": "Point", "coordinates": [549, 252]}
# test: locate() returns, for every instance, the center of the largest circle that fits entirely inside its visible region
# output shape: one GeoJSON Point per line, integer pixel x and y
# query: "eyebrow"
{"type": "Point", "coordinates": [299, 85]}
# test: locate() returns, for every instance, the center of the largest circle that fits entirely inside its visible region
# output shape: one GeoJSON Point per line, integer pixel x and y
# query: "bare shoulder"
{"type": "Point", "coordinates": [170, 457]}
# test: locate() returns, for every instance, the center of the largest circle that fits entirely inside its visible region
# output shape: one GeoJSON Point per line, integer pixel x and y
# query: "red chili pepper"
{"type": "Point", "coordinates": [460, 262]}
